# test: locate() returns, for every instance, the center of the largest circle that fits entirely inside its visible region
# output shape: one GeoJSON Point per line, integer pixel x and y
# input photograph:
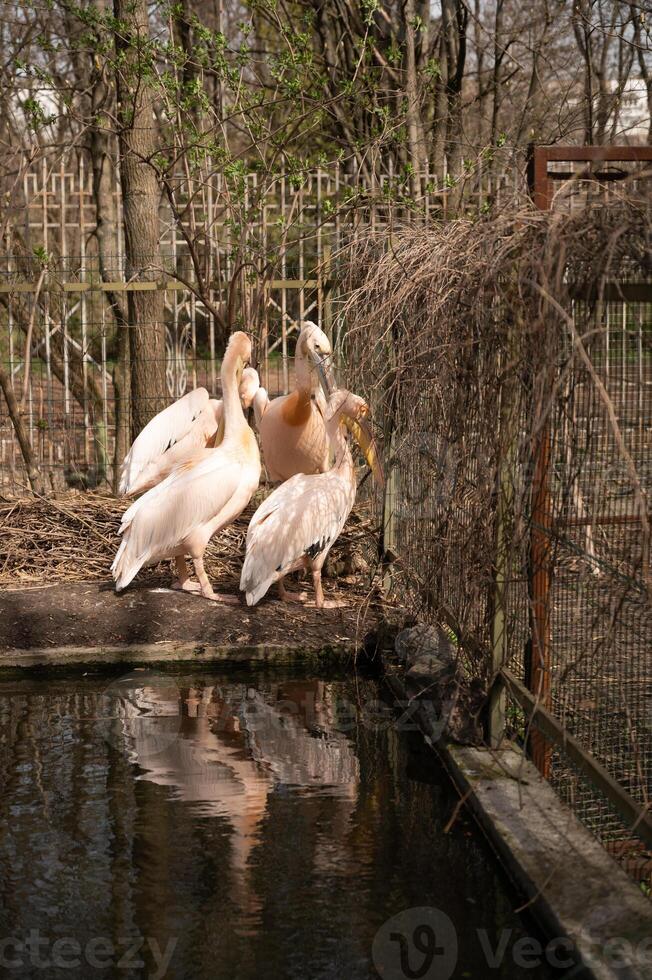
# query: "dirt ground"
{"type": "Point", "coordinates": [56, 590]}
{"type": "Point", "coordinates": [91, 614]}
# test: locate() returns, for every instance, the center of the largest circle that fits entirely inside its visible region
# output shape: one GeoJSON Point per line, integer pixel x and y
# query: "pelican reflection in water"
{"type": "Point", "coordinates": [227, 750]}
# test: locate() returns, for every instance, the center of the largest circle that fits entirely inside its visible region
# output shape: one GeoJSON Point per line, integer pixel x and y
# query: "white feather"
{"type": "Point", "coordinates": [303, 517]}
{"type": "Point", "coordinates": [187, 419]}
{"type": "Point", "coordinates": [193, 502]}
{"type": "Point", "coordinates": [260, 403]}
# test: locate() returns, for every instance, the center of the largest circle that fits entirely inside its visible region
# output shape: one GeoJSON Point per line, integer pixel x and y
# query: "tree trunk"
{"type": "Point", "coordinates": [33, 472]}
{"type": "Point", "coordinates": [643, 65]}
{"type": "Point", "coordinates": [584, 44]}
{"type": "Point", "coordinates": [440, 122]}
{"type": "Point", "coordinates": [140, 196]}
{"type": "Point", "coordinates": [102, 149]}
{"type": "Point", "coordinates": [499, 53]}
{"type": "Point", "coordinates": [108, 253]}
{"type": "Point", "coordinates": [415, 132]}
{"type": "Point", "coordinates": [454, 27]}
{"type": "Point", "coordinates": [99, 104]}
{"type": "Point", "coordinates": [481, 92]}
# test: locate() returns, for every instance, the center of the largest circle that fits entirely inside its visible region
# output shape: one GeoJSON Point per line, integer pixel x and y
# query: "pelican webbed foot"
{"type": "Point", "coordinates": [187, 586]}
{"type": "Point", "coordinates": [206, 589]}
{"type": "Point", "coordinates": [223, 597]}
{"type": "Point", "coordinates": [286, 596]}
{"type": "Point", "coordinates": [183, 582]}
{"type": "Point", "coordinates": [320, 602]}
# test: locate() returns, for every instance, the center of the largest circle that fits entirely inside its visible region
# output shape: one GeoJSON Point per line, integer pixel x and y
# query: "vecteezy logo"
{"type": "Point", "coordinates": [416, 944]}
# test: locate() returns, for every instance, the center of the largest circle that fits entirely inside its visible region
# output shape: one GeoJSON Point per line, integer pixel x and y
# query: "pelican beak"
{"type": "Point", "coordinates": [360, 429]}
{"type": "Point", "coordinates": [324, 367]}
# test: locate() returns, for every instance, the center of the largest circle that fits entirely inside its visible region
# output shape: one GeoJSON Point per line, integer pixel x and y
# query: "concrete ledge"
{"type": "Point", "coordinates": [574, 888]}
{"type": "Point", "coordinates": [171, 654]}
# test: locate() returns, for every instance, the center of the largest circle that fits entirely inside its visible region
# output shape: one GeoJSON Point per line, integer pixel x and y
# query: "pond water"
{"type": "Point", "coordinates": [237, 825]}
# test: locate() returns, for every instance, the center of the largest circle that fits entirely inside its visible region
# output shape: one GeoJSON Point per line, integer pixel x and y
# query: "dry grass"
{"type": "Point", "coordinates": [74, 537]}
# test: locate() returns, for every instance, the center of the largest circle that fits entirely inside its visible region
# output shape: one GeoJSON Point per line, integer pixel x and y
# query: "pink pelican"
{"type": "Point", "coordinates": [297, 525]}
{"type": "Point", "coordinates": [212, 487]}
{"type": "Point", "coordinates": [172, 437]}
{"type": "Point", "coordinates": [292, 427]}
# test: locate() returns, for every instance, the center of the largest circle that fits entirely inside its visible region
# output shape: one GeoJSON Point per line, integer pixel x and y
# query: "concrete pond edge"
{"type": "Point", "coordinates": [574, 889]}
{"type": "Point", "coordinates": [168, 655]}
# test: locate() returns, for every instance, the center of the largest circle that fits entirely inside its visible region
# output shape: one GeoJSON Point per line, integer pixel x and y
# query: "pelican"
{"type": "Point", "coordinates": [292, 427]}
{"type": "Point", "coordinates": [296, 526]}
{"type": "Point", "coordinates": [180, 515]}
{"type": "Point", "coordinates": [171, 437]}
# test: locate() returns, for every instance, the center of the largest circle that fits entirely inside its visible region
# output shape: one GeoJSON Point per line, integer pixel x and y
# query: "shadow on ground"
{"type": "Point", "coordinates": [92, 615]}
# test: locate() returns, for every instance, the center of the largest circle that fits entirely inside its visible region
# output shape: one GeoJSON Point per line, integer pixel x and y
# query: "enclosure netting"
{"type": "Point", "coordinates": [509, 364]}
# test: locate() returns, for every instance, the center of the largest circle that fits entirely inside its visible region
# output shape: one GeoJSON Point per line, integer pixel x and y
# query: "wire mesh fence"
{"type": "Point", "coordinates": [510, 370]}
{"type": "Point", "coordinates": [600, 614]}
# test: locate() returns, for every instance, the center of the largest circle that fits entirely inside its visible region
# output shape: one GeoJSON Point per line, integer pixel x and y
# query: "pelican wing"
{"type": "Point", "coordinates": [214, 485]}
{"type": "Point", "coordinates": [186, 419]}
{"type": "Point", "coordinates": [300, 519]}
{"type": "Point", "coordinates": [203, 434]}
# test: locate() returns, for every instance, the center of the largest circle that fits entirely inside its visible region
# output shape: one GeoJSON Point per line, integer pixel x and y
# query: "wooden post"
{"type": "Point", "coordinates": [389, 542]}
{"type": "Point", "coordinates": [389, 516]}
{"type": "Point", "coordinates": [264, 344]}
{"type": "Point", "coordinates": [326, 291]}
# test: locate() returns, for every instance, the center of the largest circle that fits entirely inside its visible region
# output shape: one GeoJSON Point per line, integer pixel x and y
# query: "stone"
{"type": "Point", "coordinates": [433, 674]}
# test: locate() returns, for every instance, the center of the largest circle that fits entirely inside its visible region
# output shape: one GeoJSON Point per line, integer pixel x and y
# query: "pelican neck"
{"type": "Point", "coordinates": [338, 442]}
{"type": "Point", "coordinates": [234, 419]}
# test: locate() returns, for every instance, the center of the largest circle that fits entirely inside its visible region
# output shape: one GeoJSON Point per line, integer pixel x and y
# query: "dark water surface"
{"type": "Point", "coordinates": [235, 825]}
